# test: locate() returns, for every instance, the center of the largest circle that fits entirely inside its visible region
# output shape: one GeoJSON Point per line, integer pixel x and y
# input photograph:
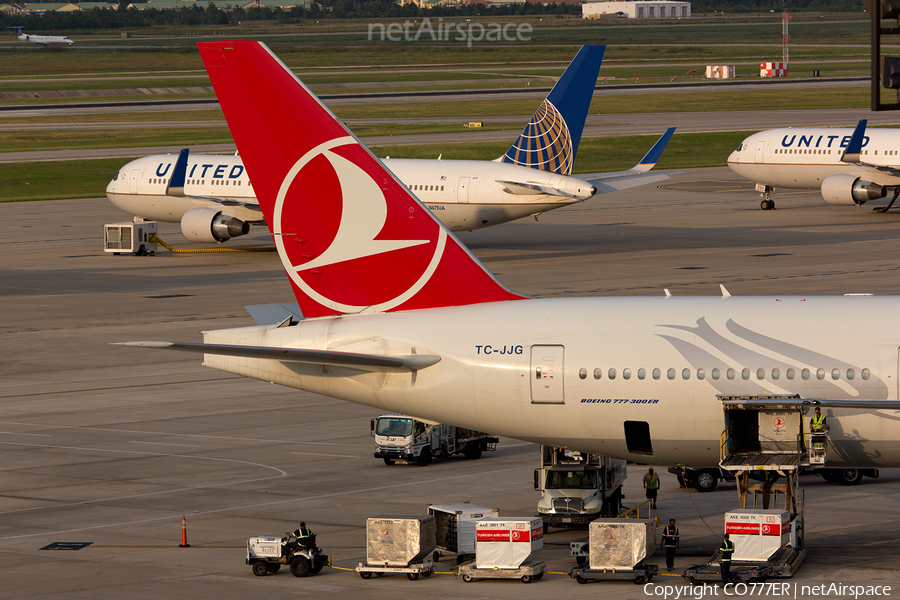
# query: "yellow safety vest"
{"type": "Point", "coordinates": [818, 422]}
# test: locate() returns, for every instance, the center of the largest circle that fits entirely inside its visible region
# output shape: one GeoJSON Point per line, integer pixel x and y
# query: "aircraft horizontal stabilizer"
{"type": "Point", "coordinates": [646, 164]}
{"type": "Point", "coordinates": [533, 189]}
{"type": "Point", "coordinates": [272, 314]}
{"type": "Point", "coordinates": [604, 186]}
{"type": "Point", "coordinates": [328, 358]}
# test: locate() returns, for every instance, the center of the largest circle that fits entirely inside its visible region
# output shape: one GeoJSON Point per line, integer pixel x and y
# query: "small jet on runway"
{"type": "Point", "coordinates": [215, 200]}
{"type": "Point", "coordinates": [41, 40]}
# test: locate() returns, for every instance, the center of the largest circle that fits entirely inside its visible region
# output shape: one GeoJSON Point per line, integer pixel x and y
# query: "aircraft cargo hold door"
{"type": "Point", "coordinates": [547, 367]}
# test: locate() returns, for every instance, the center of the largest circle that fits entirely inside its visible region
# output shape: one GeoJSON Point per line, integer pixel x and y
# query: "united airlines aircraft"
{"type": "Point", "coordinates": [215, 200]}
{"type": "Point", "coordinates": [42, 40]}
{"type": "Point", "coordinates": [398, 315]}
{"type": "Point", "coordinates": [814, 158]}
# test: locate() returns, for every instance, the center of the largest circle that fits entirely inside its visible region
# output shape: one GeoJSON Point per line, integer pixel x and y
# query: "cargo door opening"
{"type": "Point", "coordinates": [637, 437]}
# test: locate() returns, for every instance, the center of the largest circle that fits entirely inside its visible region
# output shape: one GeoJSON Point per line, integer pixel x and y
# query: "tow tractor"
{"type": "Point", "coordinates": [268, 554]}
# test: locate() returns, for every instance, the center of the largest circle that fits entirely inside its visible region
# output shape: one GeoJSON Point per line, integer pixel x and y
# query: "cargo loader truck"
{"type": "Point", "coordinates": [577, 487]}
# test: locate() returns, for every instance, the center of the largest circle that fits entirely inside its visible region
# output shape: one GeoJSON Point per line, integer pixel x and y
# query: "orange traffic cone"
{"type": "Point", "coordinates": [184, 543]}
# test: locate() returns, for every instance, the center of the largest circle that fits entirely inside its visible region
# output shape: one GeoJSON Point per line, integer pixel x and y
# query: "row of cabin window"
{"type": "Point", "coordinates": [821, 151]}
{"type": "Point", "coordinates": [800, 151]}
{"type": "Point", "coordinates": [426, 188]}
{"type": "Point", "coordinates": [729, 373]}
{"type": "Point", "coordinates": [197, 181]}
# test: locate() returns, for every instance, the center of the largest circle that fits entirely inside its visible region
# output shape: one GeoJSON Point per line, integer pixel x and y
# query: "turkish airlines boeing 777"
{"type": "Point", "coordinates": [398, 315]}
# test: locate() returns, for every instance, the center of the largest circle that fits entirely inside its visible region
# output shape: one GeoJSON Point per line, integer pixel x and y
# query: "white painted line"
{"type": "Point", "coordinates": [194, 435]}
{"type": "Point", "coordinates": [185, 456]}
{"type": "Point", "coordinates": [331, 455]}
{"type": "Point", "coordinates": [162, 444]}
{"type": "Point", "coordinates": [223, 510]}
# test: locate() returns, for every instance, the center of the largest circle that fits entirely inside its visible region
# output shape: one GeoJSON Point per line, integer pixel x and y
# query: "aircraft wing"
{"type": "Point", "coordinates": [325, 358]}
{"type": "Point", "coordinates": [242, 202]}
{"type": "Point", "coordinates": [853, 153]}
{"type": "Point", "coordinates": [175, 188]}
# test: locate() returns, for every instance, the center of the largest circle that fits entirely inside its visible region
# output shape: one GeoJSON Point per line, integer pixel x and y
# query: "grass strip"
{"type": "Point", "coordinates": [57, 180]}
{"type": "Point", "coordinates": [88, 178]}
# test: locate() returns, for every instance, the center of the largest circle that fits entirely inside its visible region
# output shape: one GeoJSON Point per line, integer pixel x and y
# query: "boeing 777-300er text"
{"type": "Point", "coordinates": [821, 158]}
{"type": "Point", "coordinates": [42, 40]}
{"type": "Point", "coordinates": [213, 199]}
{"type": "Point", "coordinates": [398, 315]}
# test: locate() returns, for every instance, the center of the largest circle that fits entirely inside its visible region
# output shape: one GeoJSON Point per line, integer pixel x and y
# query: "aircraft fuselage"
{"type": "Point", "coordinates": [463, 194]}
{"type": "Point", "coordinates": [802, 158]}
{"type": "Point", "coordinates": [583, 372]}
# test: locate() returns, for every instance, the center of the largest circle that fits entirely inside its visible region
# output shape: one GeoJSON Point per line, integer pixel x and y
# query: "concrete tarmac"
{"type": "Point", "coordinates": [112, 445]}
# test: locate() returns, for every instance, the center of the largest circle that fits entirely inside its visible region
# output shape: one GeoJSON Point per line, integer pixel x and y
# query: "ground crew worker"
{"type": "Point", "coordinates": [670, 542]}
{"type": "Point", "coordinates": [303, 535]}
{"type": "Point", "coordinates": [726, 549]}
{"type": "Point", "coordinates": [651, 484]}
{"type": "Point", "coordinates": [817, 423]}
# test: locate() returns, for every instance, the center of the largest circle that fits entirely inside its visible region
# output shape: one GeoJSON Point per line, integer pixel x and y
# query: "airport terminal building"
{"type": "Point", "coordinates": [637, 10]}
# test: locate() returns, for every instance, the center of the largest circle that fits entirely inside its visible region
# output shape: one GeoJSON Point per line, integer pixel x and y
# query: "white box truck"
{"type": "Point", "coordinates": [399, 437]}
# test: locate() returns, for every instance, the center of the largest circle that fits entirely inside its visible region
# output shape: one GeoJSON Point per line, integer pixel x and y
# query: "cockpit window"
{"type": "Point", "coordinates": [740, 147]}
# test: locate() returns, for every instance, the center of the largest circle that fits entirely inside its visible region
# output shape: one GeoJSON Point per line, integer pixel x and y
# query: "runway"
{"type": "Point", "coordinates": [597, 125]}
{"type": "Point", "coordinates": [110, 445]}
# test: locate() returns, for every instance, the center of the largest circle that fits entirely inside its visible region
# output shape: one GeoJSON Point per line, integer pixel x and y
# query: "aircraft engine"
{"type": "Point", "coordinates": [849, 190]}
{"type": "Point", "coordinates": [579, 188]}
{"type": "Point", "coordinates": [208, 225]}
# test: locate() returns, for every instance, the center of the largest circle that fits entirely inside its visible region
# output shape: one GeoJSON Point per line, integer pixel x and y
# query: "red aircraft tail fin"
{"type": "Point", "coordinates": [351, 235]}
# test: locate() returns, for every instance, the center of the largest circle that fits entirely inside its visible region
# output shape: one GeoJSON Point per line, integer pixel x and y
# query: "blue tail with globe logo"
{"type": "Point", "coordinates": [550, 140]}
